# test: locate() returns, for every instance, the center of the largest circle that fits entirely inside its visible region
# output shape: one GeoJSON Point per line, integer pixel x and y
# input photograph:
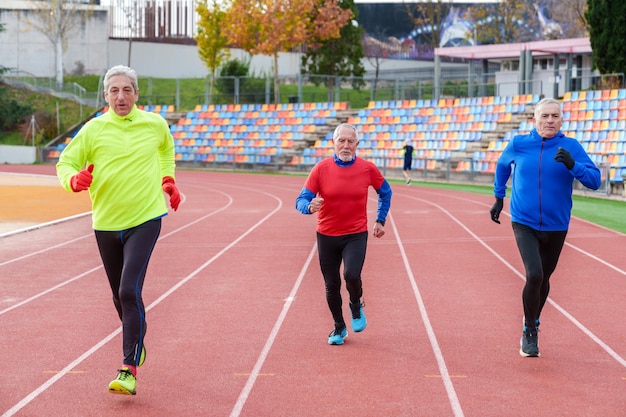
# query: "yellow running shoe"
{"type": "Point", "coordinates": [125, 383]}
{"type": "Point", "coordinates": [142, 357]}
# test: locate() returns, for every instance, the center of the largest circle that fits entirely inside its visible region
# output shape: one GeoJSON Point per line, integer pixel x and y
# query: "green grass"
{"type": "Point", "coordinates": [68, 110]}
{"type": "Point", "coordinates": [605, 212]}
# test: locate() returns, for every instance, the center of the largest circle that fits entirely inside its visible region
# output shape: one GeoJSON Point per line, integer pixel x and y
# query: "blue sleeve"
{"type": "Point", "coordinates": [584, 170]}
{"type": "Point", "coordinates": [503, 170]}
{"type": "Point", "coordinates": [303, 200]}
{"type": "Point", "coordinates": [384, 201]}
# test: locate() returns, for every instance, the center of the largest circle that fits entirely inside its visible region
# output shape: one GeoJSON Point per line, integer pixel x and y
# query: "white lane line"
{"type": "Point", "coordinates": [64, 283]}
{"type": "Point", "coordinates": [43, 387]}
{"type": "Point", "coordinates": [245, 392]}
{"type": "Point", "coordinates": [39, 252]}
{"type": "Point", "coordinates": [553, 303]}
{"type": "Point", "coordinates": [49, 290]}
{"type": "Point", "coordinates": [42, 225]}
{"type": "Point", "coordinates": [441, 363]}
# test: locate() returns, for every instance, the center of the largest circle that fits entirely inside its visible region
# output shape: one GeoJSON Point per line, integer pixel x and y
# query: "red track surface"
{"type": "Point", "coordinates": [238, 323]}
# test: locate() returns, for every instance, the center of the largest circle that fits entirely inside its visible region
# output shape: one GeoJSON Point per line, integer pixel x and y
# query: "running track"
{"type": "Point", "coordinates": [238, 324]}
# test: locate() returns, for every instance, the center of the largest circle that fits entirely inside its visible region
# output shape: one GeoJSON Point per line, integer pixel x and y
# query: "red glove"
{"type": "Point", "coordinates": [170, 188]}
{"type": "Point", "coordinates": [82, 180]}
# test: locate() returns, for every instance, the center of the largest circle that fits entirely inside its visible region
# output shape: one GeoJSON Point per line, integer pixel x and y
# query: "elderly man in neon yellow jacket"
{"type": "Point", "coordinates": [125, 158]}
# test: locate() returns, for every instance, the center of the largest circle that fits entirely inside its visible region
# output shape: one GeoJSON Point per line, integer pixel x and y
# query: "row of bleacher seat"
{"type": "Point", "coordinates": [601, 131]}
{"type": "Point", "coordinates": [456, 102]}
{"type": "Point", "coordinates": [340, 105]}
{"type": "Point", "coordinates": [55, 152]}
{"type": "Point", "coordinates": [602, 95]}
{"type": "Point", "coordinates": [258, 132]}
{"type": "Point", "coordinates": [266, 130]}
{"type": "Point", "coordinates": [437, 134]}
{"type": "Point", "coordinates": [597, 119]}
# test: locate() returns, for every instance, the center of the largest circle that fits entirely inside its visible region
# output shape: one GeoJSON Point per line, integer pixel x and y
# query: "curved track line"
{"type": "Point", "coordinates": [43, 387]}
{"type": "Point", "coordinates": [571, 318]}
{"type": "Point", "coordinates": [39, 252]}
{"type": "Point", "coordinates": [183, 197]}
{"type": "Point", "coordinates": [64, 283]}
{"type": "Point", "coordinates": [42, 225]}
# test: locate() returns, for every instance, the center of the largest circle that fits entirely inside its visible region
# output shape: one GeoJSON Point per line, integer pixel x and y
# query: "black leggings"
{"type": "Point", "coordinates": [125, 255]}
{"type": "Point", "coordinates": [332, 251]}
{"type": "Point", "coordinates": [540, 253]}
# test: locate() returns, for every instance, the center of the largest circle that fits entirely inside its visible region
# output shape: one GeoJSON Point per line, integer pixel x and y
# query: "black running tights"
{"type": "Point", "coordinates": [332, 251]}
{"type": "Point", "coordinates": [125, 255]}
{"type": "Point", "coordinates": [540, 253]}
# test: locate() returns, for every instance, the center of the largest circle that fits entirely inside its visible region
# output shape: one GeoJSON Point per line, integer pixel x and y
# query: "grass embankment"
{"type": "Point", "coordinates": [602, 211]}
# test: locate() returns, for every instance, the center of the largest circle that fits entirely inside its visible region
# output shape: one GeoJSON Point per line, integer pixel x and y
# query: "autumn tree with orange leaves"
{"type": "Point", "coordinates": [267, 27]}
{"type": "Point", "coordinates": [212, 44]}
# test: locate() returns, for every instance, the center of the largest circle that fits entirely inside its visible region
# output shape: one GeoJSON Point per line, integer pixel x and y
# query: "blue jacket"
{"type": "Point", "coordinates": [541, 188]}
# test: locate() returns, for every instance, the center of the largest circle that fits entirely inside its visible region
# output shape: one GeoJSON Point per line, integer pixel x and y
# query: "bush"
{"type": "Point", "coordinates": [12, 113]}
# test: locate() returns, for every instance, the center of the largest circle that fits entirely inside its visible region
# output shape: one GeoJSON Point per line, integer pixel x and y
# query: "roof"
{"type": "Point", "coordinates": [513, 50]}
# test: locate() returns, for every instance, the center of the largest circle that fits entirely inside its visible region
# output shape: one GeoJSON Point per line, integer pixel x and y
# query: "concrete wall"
{"type": "Point", "coordinates": [25, 48]}
{"type": "Point", "coordinates": [161, 60]}
{"type": "Point", "coordinates": [17, 154]}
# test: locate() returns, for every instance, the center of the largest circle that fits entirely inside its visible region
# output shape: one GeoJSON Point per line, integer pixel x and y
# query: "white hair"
{"type": "Point", "coordinates": [544, 102]}
{"type": "Point", "coordinates": [347, 126]}
{"type": "Point", "coordinates": [120, 70]}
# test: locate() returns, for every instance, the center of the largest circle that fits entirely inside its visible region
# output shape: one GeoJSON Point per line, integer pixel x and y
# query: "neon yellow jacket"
{"type": "Point", "coordinates": [130, 155]}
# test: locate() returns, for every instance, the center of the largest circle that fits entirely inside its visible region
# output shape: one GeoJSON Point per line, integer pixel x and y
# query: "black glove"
{"type": "Point", "coordinates": [563, 155]}
{"type": "Point", "coordinates": [496, 209]}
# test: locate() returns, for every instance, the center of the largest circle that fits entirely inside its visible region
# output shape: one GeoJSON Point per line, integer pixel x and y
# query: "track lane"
{"type": "Point", "coordinates": [220, 320]}
{"type": "Point", "coordinates": [533, 377]}
{"type": "Point", "coordinates": [104, 280]}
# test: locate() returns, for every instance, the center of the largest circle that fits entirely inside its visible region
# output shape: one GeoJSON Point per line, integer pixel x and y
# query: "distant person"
{"type": "Point", "coordinates": [337, 189]}
{"type": "Point", "coordinates": [407, 150]}
{"type": "Point", "coordinates": [125, 158]}
{"type": "Point", "coordinates": [546, 163]}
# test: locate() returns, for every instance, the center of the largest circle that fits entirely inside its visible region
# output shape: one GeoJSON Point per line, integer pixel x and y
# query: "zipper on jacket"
{"type": "Point", "coordinates": [543, 142]}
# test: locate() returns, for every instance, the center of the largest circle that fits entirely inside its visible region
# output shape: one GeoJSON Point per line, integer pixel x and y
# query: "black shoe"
{"type": "Point", "coordinates": [528, 343]}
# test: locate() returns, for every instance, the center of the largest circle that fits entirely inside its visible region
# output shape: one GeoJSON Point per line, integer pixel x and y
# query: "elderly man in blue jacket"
{"type": "Point", "coordinates": [544, 164]}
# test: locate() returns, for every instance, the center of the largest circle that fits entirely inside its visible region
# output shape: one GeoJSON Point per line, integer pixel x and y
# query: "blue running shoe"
{"type": "Point", "coordinates": [359, 322]}
{"type": "Point", "coordinates": [336, 337]}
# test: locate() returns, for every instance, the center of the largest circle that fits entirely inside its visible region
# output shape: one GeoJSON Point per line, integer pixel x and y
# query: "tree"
{"type": "Point", "coordinates": [268, 27]}
{"type": "Point", "coordinates": [428, 14]}
{"type": "Point", "coordinates": [607, 35]}
{"type": "Point", "coordinates": [502, 22]}
{"type": "Point", "coordinates": [572, 14]}
{"type": "Point", "coordinates": [12, 111]}
{"type": "Point", "coordinates": [212, 44]}
{"type": "Point", "coordinates": [57, 20]}
{"type": "Point", "coordinates": [132, 21]}
{"type": "Point", "coordinates": [375, 51]}
{"type": "Point", "coordinates": [337, 55]}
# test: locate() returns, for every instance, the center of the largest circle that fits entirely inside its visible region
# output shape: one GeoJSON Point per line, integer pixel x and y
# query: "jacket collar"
{"type": "Point", "coordinates": [559, 135]}
{"type": "Point", "coordinates": [129, 117]}
{"type": "Point", "coordinates": [341, 163]}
